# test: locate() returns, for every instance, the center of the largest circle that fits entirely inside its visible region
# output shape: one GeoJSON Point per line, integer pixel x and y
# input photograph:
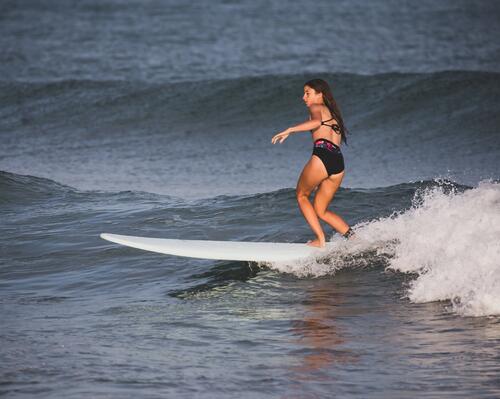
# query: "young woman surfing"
{"type": "Point", "coordinates": [325, 169]}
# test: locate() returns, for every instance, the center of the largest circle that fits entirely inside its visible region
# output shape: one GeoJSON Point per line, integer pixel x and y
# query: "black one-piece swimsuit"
{"type": "Point", "coordinates": [329, 152]}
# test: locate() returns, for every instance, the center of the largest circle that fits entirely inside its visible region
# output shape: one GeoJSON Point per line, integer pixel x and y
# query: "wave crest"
{"type": "Point", "coordinates": [449, 239]}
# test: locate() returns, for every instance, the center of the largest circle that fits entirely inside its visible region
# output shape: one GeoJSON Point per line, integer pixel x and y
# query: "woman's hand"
{"type": "Point", "coordinates": [280, 137]}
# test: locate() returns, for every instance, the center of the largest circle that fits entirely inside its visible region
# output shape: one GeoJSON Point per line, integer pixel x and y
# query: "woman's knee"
{"type": "Point", "coordinates": [321, 212]}
{"type": "Point", "coordinates": [301, 194]}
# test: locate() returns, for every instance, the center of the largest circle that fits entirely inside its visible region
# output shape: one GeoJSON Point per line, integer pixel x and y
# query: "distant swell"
{"type": "Point", "coordinates": [365, 99]}
{"type": "Point", "coordinates": [19, 189]}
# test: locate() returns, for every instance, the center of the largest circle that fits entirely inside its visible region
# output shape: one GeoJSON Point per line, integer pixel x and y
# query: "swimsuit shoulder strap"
{"type": "Point", "coordinates": [335, 127]}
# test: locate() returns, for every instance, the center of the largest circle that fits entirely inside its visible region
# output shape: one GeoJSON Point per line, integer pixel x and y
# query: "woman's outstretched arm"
{"type": "Point", "coordinates": [311, 124]}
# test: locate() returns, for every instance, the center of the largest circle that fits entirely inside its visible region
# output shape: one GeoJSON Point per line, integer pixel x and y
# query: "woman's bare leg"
{"type": "Point", "coordinates": [322, 199]}
{"type": "Point", "coordinates": [312, 175]}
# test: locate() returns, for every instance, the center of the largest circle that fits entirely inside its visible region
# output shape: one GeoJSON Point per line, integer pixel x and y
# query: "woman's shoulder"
{"type": "Point", "coordinates": [318, 110]}
{"type": "Point", "coordinates": [323, 110]}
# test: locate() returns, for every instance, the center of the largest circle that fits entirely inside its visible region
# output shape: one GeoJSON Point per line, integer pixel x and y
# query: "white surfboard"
{"type": "Point", "coordinates": [223, 250]}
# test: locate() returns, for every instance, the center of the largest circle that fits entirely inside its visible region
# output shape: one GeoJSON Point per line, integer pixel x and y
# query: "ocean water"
{"type": "Point", "coordinates": [155, 118]}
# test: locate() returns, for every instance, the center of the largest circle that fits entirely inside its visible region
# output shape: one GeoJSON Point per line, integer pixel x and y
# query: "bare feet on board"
{"type": "Point", "coordinates": [316, 243]}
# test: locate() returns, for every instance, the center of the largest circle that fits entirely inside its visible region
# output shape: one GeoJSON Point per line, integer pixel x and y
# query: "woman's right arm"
{"type": "Point", "coordinates": [311, 124]}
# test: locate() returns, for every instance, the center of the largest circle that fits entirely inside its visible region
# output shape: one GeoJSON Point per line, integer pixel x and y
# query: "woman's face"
{"type": "Point", "coordinates": [311, 97]}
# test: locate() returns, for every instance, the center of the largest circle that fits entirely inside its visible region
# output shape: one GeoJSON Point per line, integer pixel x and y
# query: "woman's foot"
{"type": "Point", "coordinates": [316, 243]}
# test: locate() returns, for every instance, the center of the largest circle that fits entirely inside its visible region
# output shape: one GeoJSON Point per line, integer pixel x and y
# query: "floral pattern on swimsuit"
{"type": "Point", "coordinates": [326, 144]}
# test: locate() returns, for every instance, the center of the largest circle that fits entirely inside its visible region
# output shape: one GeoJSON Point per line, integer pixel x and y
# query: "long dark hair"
{"type": "Point", "coordinates": [320, 86]}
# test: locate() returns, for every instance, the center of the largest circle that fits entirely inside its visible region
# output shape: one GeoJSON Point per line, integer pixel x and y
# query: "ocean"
{"type": "Point", "coordinates": [154, 118]}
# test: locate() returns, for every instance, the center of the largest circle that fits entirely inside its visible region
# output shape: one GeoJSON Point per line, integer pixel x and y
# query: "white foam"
{"type": "Point", "coordinates": [346, 254]}
{"type": "Point", "coordinates": [451, 241]}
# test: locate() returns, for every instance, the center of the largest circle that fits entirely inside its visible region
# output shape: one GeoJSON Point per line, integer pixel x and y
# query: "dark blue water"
{"type": "Point", "coordinates": [155, 119]}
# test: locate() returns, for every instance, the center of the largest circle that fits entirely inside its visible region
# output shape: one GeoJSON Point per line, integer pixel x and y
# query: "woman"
{"type": "Point", "coordinates": [325, 169]}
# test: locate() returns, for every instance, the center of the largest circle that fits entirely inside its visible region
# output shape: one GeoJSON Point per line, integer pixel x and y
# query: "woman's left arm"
{"type": "Point", "coordinates": [311, 124]}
